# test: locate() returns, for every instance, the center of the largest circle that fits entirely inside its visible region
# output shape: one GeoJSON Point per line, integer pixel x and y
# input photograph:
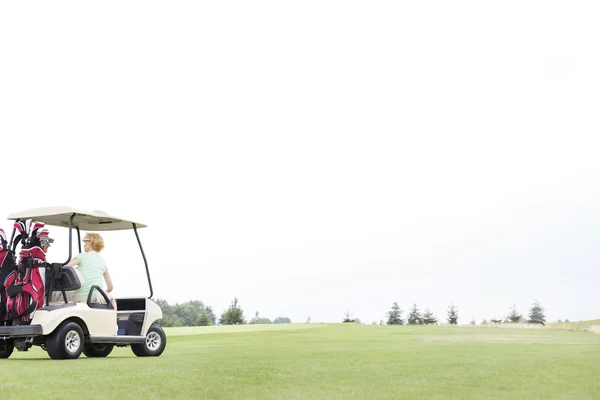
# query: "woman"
{"type": "Point", "coordinates": [45, 242]}
{"type": "Point", "coordinates": [92, 268]}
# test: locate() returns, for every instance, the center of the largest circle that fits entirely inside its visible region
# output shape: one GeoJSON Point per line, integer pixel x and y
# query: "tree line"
{"type": "Point", "coordinates": [195, 313]}
{"type": "Point", "coordinates": [416, 317]}
{"type": "Point", "coordinates": [536, 316]}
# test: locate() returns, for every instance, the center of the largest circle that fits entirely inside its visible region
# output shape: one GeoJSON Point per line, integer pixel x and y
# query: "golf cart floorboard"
{"type": "Point", "coordinates": [121, 339]}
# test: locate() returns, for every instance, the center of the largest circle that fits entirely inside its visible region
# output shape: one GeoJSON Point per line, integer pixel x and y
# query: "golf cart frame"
{"type": "Point", "coordinates": [66, 329]}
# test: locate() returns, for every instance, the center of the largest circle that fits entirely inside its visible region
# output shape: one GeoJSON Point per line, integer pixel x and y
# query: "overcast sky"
{"type": "Point", "coordinates": [316, 157]}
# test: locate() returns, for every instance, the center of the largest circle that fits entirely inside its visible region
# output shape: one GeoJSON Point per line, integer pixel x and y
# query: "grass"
{"type": "Point", "coordinates": [592, 325]}
{"type": "Point", "coordinates": [319, 361]}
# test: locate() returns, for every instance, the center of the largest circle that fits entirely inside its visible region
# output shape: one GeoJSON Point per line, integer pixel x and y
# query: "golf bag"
{"type": "Point", "coordinates": [25, 287]}
{"type": "Point", "coordinates": [8, 266]}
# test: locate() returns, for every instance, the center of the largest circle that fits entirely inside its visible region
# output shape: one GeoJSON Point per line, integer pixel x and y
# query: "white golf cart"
{"type": "Point", "coordinates": [66, 329]}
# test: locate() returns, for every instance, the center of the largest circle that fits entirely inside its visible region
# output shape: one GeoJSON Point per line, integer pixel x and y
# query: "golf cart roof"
{"type": "Point", "coordinates": [93, 220]}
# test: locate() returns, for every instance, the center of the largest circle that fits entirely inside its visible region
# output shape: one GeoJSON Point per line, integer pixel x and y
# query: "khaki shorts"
{"type": "Point", "coordinates": [57, 298]}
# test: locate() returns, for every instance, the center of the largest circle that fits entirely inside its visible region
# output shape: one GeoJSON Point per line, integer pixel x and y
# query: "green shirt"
{"type": "Point", "coordinates": [92, 268]}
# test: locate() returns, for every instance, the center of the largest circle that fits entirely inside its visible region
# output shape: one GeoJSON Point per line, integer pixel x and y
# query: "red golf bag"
{"type": "Point", "coordinates": [25, 285]}
{"type": "Point", "coordinates": [8, 268]}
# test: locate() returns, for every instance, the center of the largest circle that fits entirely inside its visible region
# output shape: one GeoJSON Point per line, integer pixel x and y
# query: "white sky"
{"type": "Point", "coordinates": [317, 156]}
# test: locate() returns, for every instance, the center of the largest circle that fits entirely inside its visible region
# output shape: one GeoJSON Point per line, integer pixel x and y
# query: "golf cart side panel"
{"type": "Point", "coordinates": [97, 321]}
{"type": "Point", "coordinates": [153, 313]}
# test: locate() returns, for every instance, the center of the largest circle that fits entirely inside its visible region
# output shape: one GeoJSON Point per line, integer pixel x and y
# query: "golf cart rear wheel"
{"type": "Point", "coordinates": [6, 348]}
{"type": "Point", "coordinates": [155, 343]}
{"type": "Point", "coordinates": [66, 342]}
{"type": "Point", "coordinates": [97, 350]}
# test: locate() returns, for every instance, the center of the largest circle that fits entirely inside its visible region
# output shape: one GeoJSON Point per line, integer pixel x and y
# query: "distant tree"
{"type": "Point", "coordinates": [452, 318]}
{"type": "Point", "coordinates": [566, 320]}
{"type": "Point", "coordinates": [559, 321]}
{"type": "Point", "coordinates": [496, 321]}
{"type": "Point", "coordinates": [395, 315]}
{"type": "Point", "coordinates": [414, 318]}
{"type": "Point", "coordinates": [380, 322]}
{"type": "Point", "coordinates": [184, 314]}
{"type": "Point", "coordinates": [347, 318]}
{"type": "Point", "coordinates": [473, 322]}
{"type": "Point", "coordinates": [162, 303]}
{"type": "Point", "coordinates": [428, 317]}
{"type": "Point", "coordinates": [203, 319]}
{"type": "Point", "coordinates": [211, 315]}
{"type": "Point", "coordinates": [514, 317]}
{"type": "Point", "coordinates": [282, 320]}
{"type": "Point", "coordinates": [188, 312]}
{"type": "Point", "coordinates": [234, 315]}
{"type": "Point", "coordinates": [258, 320]}
{"type": "Point", "coordinates": [168, 318]}
{"type": "Point", "coordinates": [484, 322]}
{"type": "Point", "coordinates": [308, 320]}
{"type": "Point", "coordinates": [536, 314]}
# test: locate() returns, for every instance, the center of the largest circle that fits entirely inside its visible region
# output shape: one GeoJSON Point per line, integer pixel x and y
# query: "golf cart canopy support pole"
{"type": "Point", "coordinates": [70, 238]}
{"type": "Point", "coordinates": [79, 239]}
{"type": "Point", "coordinates": [145, 262]}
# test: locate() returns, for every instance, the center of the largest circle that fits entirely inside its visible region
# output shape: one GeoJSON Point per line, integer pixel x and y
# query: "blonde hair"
{"type": "Point", "coordinates": [96, 240]}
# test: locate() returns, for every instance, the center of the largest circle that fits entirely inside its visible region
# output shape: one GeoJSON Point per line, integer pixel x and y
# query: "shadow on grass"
{"type": "Point", "coordinates": [76, 359]}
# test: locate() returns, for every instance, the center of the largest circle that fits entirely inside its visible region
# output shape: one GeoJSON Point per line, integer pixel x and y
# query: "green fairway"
{"type": "Point", "coordinates": [335, 361]}
{"type": "Point", "coordinates": [592, 325]}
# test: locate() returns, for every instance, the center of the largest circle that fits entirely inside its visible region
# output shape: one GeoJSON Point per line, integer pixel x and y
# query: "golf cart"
{"type": "Point", "coordinates": [65, 328]}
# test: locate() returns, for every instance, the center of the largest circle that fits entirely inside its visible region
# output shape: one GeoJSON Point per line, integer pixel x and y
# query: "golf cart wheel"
{"type": "Point", "coordinates": [97, 350]}
{"type": "Point", "coordinates": [155, 343]}
{"type": "Point", "coordinates": [6, 348]}
{"type": "Point", "coordinates": [66, 342]}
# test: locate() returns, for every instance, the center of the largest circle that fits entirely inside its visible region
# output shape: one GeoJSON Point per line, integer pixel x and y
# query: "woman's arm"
{"type": "Point", "coordinates": [109, 288]}
{"type": "Point", "coordinates": [74, 261]}
{"type": "Point", "coordinates": [108, 280]}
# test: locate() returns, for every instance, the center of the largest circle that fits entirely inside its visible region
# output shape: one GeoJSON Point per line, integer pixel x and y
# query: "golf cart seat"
{"type": "Point", "coordinates": [70, 279]}
{"type": "Point", "coordinates": [65, 278]}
